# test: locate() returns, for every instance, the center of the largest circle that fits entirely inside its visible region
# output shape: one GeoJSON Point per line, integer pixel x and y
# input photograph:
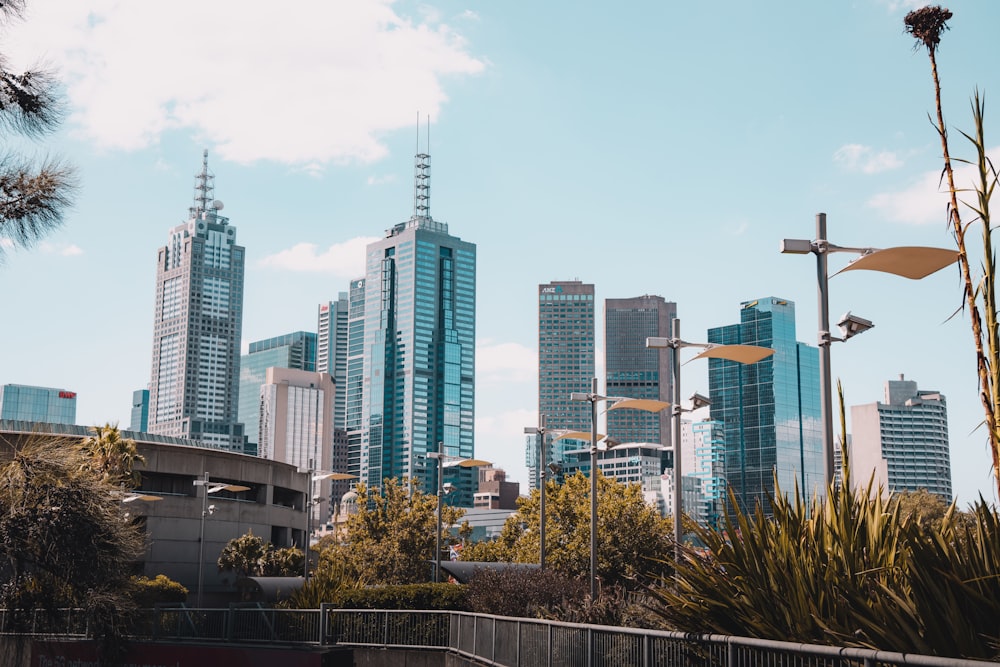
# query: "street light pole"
{"type": "Point", "coordinates": [541, 431]}
{"type": "Point", "coordinates": [210, 487]}
{"type": "Point", "coordinates": [593, 490]}
{"type": "Point", "coordinates": [913, 262]}
{"type": "Point", "coordinates": [453, 461]}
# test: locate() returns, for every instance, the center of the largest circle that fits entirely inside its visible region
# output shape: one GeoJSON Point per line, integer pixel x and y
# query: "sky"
{"type": "Point", "coordinates": [645, 147]}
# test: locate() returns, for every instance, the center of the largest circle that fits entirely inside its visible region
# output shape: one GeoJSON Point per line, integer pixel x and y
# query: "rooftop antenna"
{"type": "Point", "coordinates": [422, 176]}
{"type": "Point", "coordinates": [204, 188]}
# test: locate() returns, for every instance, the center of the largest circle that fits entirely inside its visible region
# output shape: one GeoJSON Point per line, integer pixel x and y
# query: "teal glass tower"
{"type": "Point", "coordinates": [770, 410]}
{"type": "Point", "coordinates": [419, 351]}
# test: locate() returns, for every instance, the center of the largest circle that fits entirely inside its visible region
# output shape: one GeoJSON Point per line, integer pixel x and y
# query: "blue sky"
{"type": "Point", "coordinates": [646, 148]}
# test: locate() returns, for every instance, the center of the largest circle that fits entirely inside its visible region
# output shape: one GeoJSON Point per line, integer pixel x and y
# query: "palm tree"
{"type": "Point", "coordinates": [112, 456]}
{"type": "Point", "coordinates": [926, 26]}
{"type": "Point", "coordinates": [32, 196]}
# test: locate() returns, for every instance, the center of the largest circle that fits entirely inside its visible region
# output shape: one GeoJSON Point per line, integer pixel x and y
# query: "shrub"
{"type": "Point", "coordinates": [147, 593]}
{"type": "Point", "coordinates": [445, 597]}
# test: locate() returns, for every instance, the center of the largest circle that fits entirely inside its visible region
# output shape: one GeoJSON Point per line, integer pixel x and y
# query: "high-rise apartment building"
{"type": "Point", "coordinates": [37, 404]}
{"type": "Point", "coordinates": [635, 371]}
{"type": "Point", "coordinates": [903, 441]}
{"type": "Point", "coordinates": [296, 424]}
{"type": "Point", "coordinates": [194, 390]}
{"type": "Point", "coordinates": [565, 365]}
{"type": "Point", "coordinates": [709, 449]}
{"type": "Point", "coordinates": [770, 409]}
{"type": "Point", "coordinates": [418, 394]}
{"type": "Point", "coordinates": [331, 351]}
{"type": "Point", "coordinates": [355, 388]}
{"type": "Point", "coordinates": [293, 350]}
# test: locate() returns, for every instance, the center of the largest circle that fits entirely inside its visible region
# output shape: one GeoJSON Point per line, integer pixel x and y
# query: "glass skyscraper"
{"type": "Point", "coordinates": [294, 350]}
{"type": "Point", "coordinates": [194, 389]}
{"type": "Point", "coordinates": [331, 351]}
{"type": "Point", "coordinates": [771, 409]}
{"type": "Point", "coordinates": [635, 371]}
{"type": "Point", "coordinates": [37, 404]}
{"type": "Point", "coordinates": [419, 344]}
{"type": "Point", "coordinates": [565, 365]}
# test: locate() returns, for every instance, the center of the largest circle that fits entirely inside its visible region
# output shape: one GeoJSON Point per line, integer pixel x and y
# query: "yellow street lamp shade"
{"type": "Point", "coordinates": [647, 404]}
{"type": "Point", "coordinates": [336, 476]}
{"type": "Point", "coordinates": [578, 435]}
{"type": "Point", "coordinates": [913, 262]}
{"type": "Point", "coordinates": [744, 354]}
{"type": "Point", "coordinates": [472, 463]}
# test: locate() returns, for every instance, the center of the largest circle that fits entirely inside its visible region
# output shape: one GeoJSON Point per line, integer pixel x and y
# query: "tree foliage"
{"type": "Point", "coordinates": [633, 538]}
{"type": "Point", "coordinates": [33, 195]}
{"type": "Point", "coordinates": [63, 536]}
{"type": "Point", "coordinates": [112, 456]}
{"type": "Point", "coordinates": [250, 556]}
{"type": "Point", "coordinates": [391, 538]}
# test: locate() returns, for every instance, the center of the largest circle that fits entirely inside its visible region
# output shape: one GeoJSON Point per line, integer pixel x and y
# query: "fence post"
{"type": "Point", "coordinates": [590, 643]}
{"type": "Point", "coordinates": [324, 624]}
{"type": "Point", "coordinates": [548, 648]}
{"type": "Point", "coordinates": [731, 652]}
{"type": "Point", "coordinates": [493, 647]}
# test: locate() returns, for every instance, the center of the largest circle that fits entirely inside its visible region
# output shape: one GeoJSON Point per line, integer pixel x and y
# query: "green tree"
{"type": "Point", "coordinates": [926, 25]}
{"type": "Point", "coordinates": [32, 196]}
{"type": "Point", "coordinates": [250, 556]}
{"type": "Point", "coordinates": [633, 539]}
{"type": "Point", "coordinates": [112, 456]}
{"type": "Point", "coordinates": [63, 538]}
{"type": "Point", "coordinates": [391, 538]}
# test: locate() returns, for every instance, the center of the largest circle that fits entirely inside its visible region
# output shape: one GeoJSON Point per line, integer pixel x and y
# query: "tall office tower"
{"type": "Point", "coordinates": [419, 350]}
{"type": "Point", "coordinates": [636, 371]}
{"type": "Point", "coordinates": [771, 409]}
{"type": "Point", "coordinates": [565, 365]}
{"type": "Point", "coordinates": [37, 404]}
{"type": "Point", "coordinates": [293, 350]}
{"type": "Point", "coordinates": [296, 424]}
{"type": "Point", "coordinates": [139, 418]}
{"type": "Point", "coordinates": [331, 351]}
{"type": "Point", "coordinates": [904, 441]}
{"type": "Point", "coordinates": [709, 448]}
{"type": "Point", "coordinates": [194, 390]}
{"type": "Point", "coordinates": [354, 393]}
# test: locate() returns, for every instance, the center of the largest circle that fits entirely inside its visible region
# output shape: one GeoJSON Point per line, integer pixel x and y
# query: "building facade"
{"type": "Point", "coordinates": [771, 409]}
{"type": "Point", "coordinates": [902, 441]}
{"type": "Point", "coordinates": [37, 404]}
{"type": "Point", "coordinates": [296, 425]}
{"type": "Point", "coordinates": [198, 323]}
{"type": "Point", "coordinates": [294, 350]}
{"type": "Point", "coordinates": [331, 351]}
{"type": "Point", "coordinates": [635, 371]}
{"type": "Point", "coordinates": [566, 364]}
{"type": "Point", "coordinates": [418, 393]}
{"type": "Point", "coordinates": [139, 417]}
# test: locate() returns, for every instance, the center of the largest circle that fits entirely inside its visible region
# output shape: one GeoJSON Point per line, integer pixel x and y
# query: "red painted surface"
{"type": "Point", "coordinates": [84, 654]}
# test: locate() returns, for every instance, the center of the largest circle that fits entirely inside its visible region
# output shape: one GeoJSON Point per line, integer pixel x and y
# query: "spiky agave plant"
{"type": "Point", "coordinates": [926, 25]}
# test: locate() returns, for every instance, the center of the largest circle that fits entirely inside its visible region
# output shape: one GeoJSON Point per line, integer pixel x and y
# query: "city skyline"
{"type": "Point", "coordinates": [570, 142]}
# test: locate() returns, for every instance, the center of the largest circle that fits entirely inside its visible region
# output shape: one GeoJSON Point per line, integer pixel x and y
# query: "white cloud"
{"type": "Point", "coordinates": [855, 157]}
{"type": "Point", "coordinates": [71, 250]}
{"type": "Point", "coordinates": [62, 249]}
{"type": "Point", "coordinates": [345, 260]}
{"type": "Point", "coordinates": [925, 200]}
{"type": "Point", "coordinates": [505, 362]}
{"type": "Point", "coordinates": [381, 180]}
{"type": "Point", "coordinates": [6, 243]}
{"type": "Point", "coordinates": [316, 82]}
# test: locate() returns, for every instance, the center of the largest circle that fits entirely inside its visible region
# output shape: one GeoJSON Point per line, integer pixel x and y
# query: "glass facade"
{"type": "Point", "coordinates": [331, 351]}
{"type": "Point", "coordinates": [418, 357]}
{"type": "Point", "coordinates": [565, 365]}
{"type": "Point", "coordinates": [771, 409]}
{"type": "Point", "coordinates": [294, 350]}
{"type": "Point", "coordinates": [198, 323]}
{"type": "Point", "coordinates": [139, 418]}
{"type": "Point", "coordinates": [37, 404]}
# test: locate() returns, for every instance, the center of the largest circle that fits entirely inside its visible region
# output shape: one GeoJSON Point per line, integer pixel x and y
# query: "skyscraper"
{"type": "Point", "coordinates": [139, 417]}
{"type": "Point", "coordinates": [295, 350]}
{"type": "Point", "coordinates": [419, 350]}
{"type": "Point", "coordinates": [904, 441]}
{"type": "Point", "coordinates": [194, 390]}
{"type": "Point", "coordinates": [331, 351]}
{"type": "Point", "coordinates": [565, 364]}
{"type": "Point", "coordinates": [37, 404]}
{"type": "Point", "coordinates": [635, 371]}
{"type": "Point", "coordinates": [770, 409]}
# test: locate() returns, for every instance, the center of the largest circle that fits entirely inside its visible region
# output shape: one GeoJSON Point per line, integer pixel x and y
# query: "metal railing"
{"type": "Point", "coordinates": [486, 639]}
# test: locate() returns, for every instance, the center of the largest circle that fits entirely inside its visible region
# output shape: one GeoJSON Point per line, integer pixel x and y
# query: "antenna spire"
{"type": "Point", "coordinates": [204, 188]}
{"type": "Point", "coordinates": [422, 176]}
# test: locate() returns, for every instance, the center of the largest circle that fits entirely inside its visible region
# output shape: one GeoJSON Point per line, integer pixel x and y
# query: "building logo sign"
{"type": "Point", "coordinates": [67, 394]}
{"type": "Point", "coordinates": [552, 290]}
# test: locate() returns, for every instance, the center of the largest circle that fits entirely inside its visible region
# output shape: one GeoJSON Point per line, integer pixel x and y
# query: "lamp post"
{"type": "Point", "coordinates": [315, 476]}
{"type": "Point", "coordinates": [441, 464]}
{"type": "Point", "coordinates": [913, 262]}
{"type": "Point", "coordinates": [210, 487]}
{"type": "Point", "coordinates": [541, 432]}
{"type": "Point", "coordinates": [744, 354]}
{"type": "Point", "coordinates": [648, 405]}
